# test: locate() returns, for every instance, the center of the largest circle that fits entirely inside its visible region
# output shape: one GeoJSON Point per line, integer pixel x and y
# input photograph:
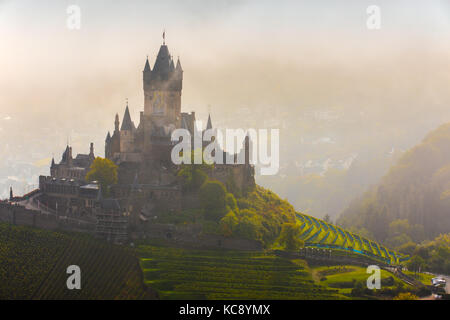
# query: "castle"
{"type": "Point", "coordinates": [147, 178]}
{"type": "Point", "coordinates": [143, 153]}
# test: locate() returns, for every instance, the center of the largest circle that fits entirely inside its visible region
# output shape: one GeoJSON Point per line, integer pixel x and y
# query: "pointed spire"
{"type": "Point", "coordinates": [127, 124]}
{"type": "Point", "coordinates": [178, 67]}
{"type": "Point", "coordinates": [171, 65]}
{"type": "Point", "coordinates": [116, 123]}
{"type": "Point", "coordinates": [53, 163]}
{"type": "Point", "coordinates": [147, 66]}
{"type": "Point", "coordinates": [108, 137]}
{"type": "Point", "coordinates": [65, 155]}
{"type": "Point", "coordinates": [209, 124]}
{"type": "Point", "coordinates": [162, 63]}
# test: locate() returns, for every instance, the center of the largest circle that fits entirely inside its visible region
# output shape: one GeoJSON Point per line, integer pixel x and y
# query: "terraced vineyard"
{"type": "Point", "coordinates": [201, 274]}
{"type": "Point", "coordinates": [26, 257]}
{"type": "Point", "coordinates": [318, 233]}
{"type": "Point", "coordinates": [33, 265]}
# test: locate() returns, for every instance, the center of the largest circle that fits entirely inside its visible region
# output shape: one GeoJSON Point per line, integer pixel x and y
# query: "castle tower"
{"type": "Point", "coordinates": [112, 142]}
{"type": "Point", "coordinates": [162, 90]}
{"type": "Point", "coordinates": [127, 132]}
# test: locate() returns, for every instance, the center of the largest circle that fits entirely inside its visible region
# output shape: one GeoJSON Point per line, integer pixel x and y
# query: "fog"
{"type": "Point", "coordinates": [334, 88]}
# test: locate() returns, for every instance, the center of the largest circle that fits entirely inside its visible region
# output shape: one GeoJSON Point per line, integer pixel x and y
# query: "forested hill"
{"type": "Point", "coordinates": [412, 201]}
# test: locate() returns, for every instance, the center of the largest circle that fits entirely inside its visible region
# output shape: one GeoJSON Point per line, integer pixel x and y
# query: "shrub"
{"type": "Point", "coordinates": [290, 237]}
{"type": "Point", "coordinates": [213, 199]}
{"type": "Point", "coordinates": [231, 201]}
{"type": "Point", "coordinates": [104, 171]}
{"type": "Point", "coordinates": [406, 296]}
{"type": "Point", "coordinates": [193, 177]}
{"type": "Point", "coordinates": [228, 224]}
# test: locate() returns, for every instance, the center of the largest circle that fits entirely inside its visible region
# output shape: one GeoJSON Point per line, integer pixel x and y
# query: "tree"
{"type": "Point", "coordinates": [407, 248]}
{"type": "Point", "coordinates": [228, 224]}
{"type": "Point", "coordinates": [290, 237]}
{"type": "Point", "coordinates": [194, 175]}
{"type": "Point", "coordinates": [231, 202]}
{"type": "Point", "coordinates": [327, 218]}
{"type": "Point", "coordinates": [416, 263]}
{"type": "Point", "coordinates": [104, 171]}
{"type": "Point", "coordinates": [249, 227]}
{"type": "Point", "coordinates": [213, 199]}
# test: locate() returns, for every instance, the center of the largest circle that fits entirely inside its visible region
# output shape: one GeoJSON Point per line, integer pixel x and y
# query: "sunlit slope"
{"type": "Point", "coordinates": [318, 233]}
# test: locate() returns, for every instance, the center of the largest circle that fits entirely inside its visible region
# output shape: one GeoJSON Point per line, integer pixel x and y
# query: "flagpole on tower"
{"type": "Point", "coordinates": [164, 37]}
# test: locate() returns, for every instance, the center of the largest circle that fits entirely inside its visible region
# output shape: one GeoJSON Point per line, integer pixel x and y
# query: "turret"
{"type": "Point", "coordinates": [65, 156]}
{"type": "Point", "coordinates": [91, 150]}
{"type": "Point", "coordinates": [69, 160]}
{"type": "Point", "coordinates": [179, 70]}
{"type": "Point", "coordinates": [116, 123]}
{"type": "Point", "coordinates": [108, 146]}
{"type": "Point", "coordinates": [247, 149]}
{"type": "Point", "coordinates": [171, 65]}
{"type": "Point", "coordinates": [127, 132]}
{"type": "Point", "coordinates": [209, 124]}
{"type": "Point", "coordinates": [147, 73]}
{"type": "Point", "coordinates": [53, 168]}
{"type": "Point", "coordinates": [178, 67]}
{"type": "Point", "coordinates": [127, 124]}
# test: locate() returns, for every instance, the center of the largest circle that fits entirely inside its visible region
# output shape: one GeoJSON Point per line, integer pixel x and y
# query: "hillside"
{"type": "Point", "coordinates": [34, 262]}
{"type": "Point", "coordinates": [412, 201]}
{"type": "Point", "coordinates": [261, 215]}
{"type": "Point", "coordinates": [33, 265]}
{"type": "Point", "coordinates": [204, 274]}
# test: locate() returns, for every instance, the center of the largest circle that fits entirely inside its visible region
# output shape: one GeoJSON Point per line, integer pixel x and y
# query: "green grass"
{"type": "Point", "coordinates": [342, 277]}
{"type": "Point", "coordinates": [425, 278]}
{"type": "Point", "coordinates": [203, 274]}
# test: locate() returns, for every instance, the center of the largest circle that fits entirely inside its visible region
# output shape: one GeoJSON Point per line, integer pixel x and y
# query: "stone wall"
{"type": "Point", "coordinates": [18, 215]}
{"type": "Point", "coordinates": [191, 236]}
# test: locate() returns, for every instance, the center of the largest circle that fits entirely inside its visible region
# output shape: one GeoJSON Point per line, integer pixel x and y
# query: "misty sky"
{"type": "Point", "coordinates": [285, 55]}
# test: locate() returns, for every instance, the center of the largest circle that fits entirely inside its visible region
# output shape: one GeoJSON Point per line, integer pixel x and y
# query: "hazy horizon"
{"type": "Point", "coordinates": [274, 60]}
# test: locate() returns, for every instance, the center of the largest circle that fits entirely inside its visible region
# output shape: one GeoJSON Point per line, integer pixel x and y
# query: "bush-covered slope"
{"type": "Point", "coordinates": [412, 202]}
{"type": "Point", "coordinates": [261, 214]}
